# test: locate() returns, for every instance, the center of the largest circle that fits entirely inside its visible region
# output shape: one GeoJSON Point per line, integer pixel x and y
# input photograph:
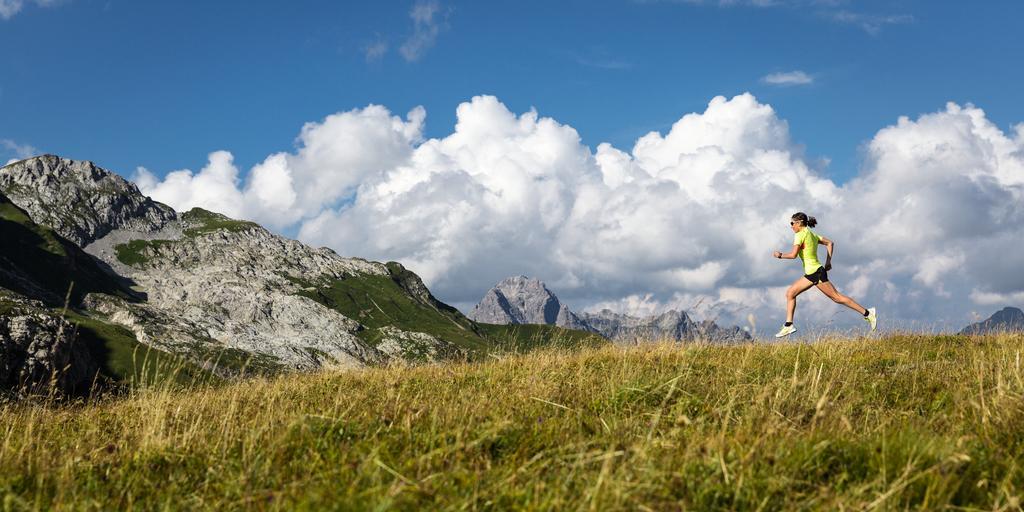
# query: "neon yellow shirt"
{"type": "Point", "coordinates": [808, 241]}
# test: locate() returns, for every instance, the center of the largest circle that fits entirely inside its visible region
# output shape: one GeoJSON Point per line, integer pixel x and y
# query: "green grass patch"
{"type": "Point", "coordinates": [399, 299]}
{"type": "Point", "coordinates": [524, 338]}
{"type": "Point", "coordinates": [7, 305]}
{"type": "Point", "coordinates": [376, 301]}
{"type": "Point", "coordinates": [138, 252]}
{"type": "Point", "coordinates": [205, 221]}
{"type": "Point", "coordinates": [233, 361]}
{"type": "Point", "coordinates": [39, 263]}
{"type": "Point", "coordinates": [201, 222]}
{"type": "Point", "coordinates": [938, 426]}
{"type": "Point", "coordinates": [43, 237]}
{"type": "Point", "coordinates": [124, 360]}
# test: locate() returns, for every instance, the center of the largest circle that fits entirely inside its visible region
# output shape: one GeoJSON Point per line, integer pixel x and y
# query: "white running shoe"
{"type": "Point", "coordinates": [785, 331]}
{"type": "Point", "coordinates": [872, 318]}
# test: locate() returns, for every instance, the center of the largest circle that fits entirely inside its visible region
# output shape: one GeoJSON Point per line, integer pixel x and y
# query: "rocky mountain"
{"type": "Point", "coordinates": [670, 325]}
{"type": "Point", "coordinates": [1008, 319]}
{"type": "Point", "coordinates": [43, 278]}
{"type": "Point", "coordinates": [37, 262]}
{"type": "Point", "coordinates": [38, 347]}
{"type": "Point", "coordinates": [79, 200]}
{"type": "Point", "coordinates": [210, 282]}
{"type": "Point", "coordinates": [522, 300]}
{"type": "Point", "coordinates": [219, 293]}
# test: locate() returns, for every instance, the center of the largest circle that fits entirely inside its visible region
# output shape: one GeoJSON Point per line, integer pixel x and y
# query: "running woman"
{"type": "Point", "coordinates": [805, 245]}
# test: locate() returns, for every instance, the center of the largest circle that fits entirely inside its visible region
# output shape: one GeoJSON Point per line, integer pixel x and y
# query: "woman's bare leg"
{"type": "Point", "coordinates": [799, 286]}
{"type": "Point", "coordinates": [830, 290]}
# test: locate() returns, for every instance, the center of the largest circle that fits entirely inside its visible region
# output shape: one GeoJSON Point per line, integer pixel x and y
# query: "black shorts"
{"type": "Point", "coordinates": [818, 276]}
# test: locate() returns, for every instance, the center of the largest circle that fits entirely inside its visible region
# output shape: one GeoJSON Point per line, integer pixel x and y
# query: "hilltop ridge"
{"type": "Point", "coordinates": [79, 200]}
{"type": "Point", "coordinates": [1008, 319]}
{"type": "Point", "coordinates": [225, 294]}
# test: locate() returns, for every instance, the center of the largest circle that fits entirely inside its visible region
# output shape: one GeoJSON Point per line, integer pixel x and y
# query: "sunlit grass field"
{"type": "Point", "coordinates": [894, 423]}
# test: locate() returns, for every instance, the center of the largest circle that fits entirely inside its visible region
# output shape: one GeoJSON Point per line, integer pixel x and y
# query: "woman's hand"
{"type": "Point", "coordinates": [776, 254]}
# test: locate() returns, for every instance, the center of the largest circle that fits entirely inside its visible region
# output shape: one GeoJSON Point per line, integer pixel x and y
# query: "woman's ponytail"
{"type": "Point", "coordinates": [804, 219]}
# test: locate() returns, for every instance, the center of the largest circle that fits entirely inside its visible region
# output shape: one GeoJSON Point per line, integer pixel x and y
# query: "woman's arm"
{"type": "Point", "coordinates": [830, 246]}
{"type": "Point", "coordinates": [790, 255]}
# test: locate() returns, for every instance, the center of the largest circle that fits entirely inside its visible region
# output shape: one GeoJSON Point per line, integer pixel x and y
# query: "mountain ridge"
{"type": "Point", "coordinates": [199, 285]}
{"type": "Point", "coordinates": [78, 199]}
{"type": "Point", "coordinates": [44, 338]}
{"type": "Point", "coordinates": [1008, 319]}
{"type": "Point", "coordinates": [43, 265]}
{"type": "Point", "coordinates": [519, 300]}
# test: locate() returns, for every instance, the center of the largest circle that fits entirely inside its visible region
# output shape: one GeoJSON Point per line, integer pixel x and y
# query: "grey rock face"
{"type": "Point", "coordinates": [494, 308]}
{"type": "Point", "coordinates": [237, 288]}
{"type": "Point", "coordinates": [523, 300]}
{"type": "Point", "coordinates": [38, 263]}
{"type": "Point", "coordinates": [79, 200]}
{"type": "Point", "coordinates": [709, 331]}
{"type": "Point", "coordinates": [205, 282]}
{"type": "Point", "coordinates": [1008, 319]}
{"type": "Point", "coordinates": [671, 325]}
{"type": "Point", "coordinates": [38, 349]}
{"type": "Point", "coordinates": [402, 345]}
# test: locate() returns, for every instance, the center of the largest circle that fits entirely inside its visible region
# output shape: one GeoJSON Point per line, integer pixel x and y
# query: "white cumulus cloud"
{"type": "Point", "coordinates": [332, 158]}
{"type": "Point", "coordinates": [683, 218]}
{"type": "Point", "coordinates": [214, 187]}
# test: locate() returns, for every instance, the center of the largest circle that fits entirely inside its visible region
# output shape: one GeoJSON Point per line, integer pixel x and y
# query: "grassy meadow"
{"type": "Point", "coordinates": [893, 423]}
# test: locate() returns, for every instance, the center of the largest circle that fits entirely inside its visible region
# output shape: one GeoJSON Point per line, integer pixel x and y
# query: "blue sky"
{"type": "Point", "coordinates": [211, 99]}
{"type": "Point", "coordinates": [161, 84]}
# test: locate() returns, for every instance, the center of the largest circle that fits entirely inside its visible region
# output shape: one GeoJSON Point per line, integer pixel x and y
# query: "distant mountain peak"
{"type": "Point", "coordinates": [1007, 319]}
{"type": "Point", "coordinates": [80, 200]}
{"type": "Point", "coordinates": [524, 300]}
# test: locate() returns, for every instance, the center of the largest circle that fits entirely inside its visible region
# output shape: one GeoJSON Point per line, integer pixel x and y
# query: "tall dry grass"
{"type": "Point", "coordinates": [903, 422]}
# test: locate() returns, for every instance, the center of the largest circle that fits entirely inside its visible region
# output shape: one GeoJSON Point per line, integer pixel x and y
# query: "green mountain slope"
{"type": "Point", "coordinates": [123, 360]}
{"type": "Point", "coordinates": [37, 262]}
{"type": "Point", "coordinates": [401, 300]}
{"type": "Point", "coordinates": [379, 302]}
{"type": "Point", "coordinates": [204, 286]}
